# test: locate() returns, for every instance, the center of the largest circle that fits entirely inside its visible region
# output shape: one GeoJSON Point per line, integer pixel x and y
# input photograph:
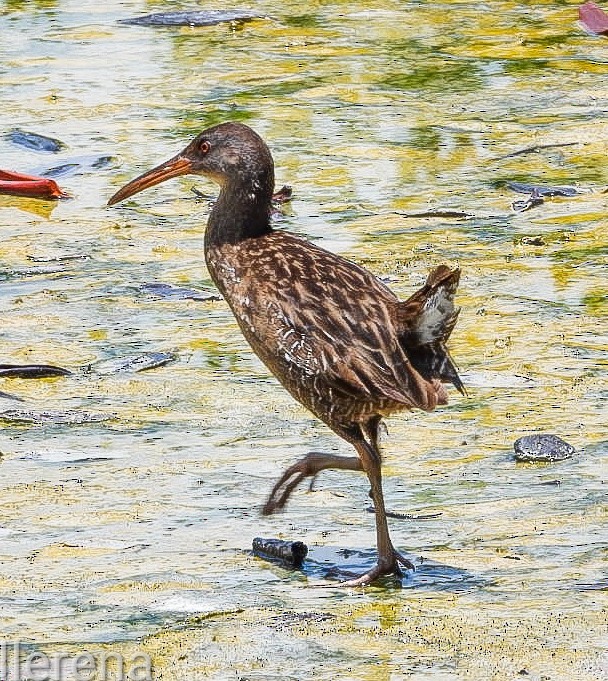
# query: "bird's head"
{"type": "Point", "coordinates": [231, 154]}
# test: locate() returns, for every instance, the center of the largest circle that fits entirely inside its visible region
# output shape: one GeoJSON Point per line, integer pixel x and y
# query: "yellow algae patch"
{"type": "Point", "coordinates": [61, 550]}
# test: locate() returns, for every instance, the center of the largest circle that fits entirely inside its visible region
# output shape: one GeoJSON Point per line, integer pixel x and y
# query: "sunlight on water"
{"type": "Point", "coordinates": [130, 499]}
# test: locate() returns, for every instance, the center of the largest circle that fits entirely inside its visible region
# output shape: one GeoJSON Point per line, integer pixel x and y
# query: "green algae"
{"type": "Point", "coordinates": [136, 532]}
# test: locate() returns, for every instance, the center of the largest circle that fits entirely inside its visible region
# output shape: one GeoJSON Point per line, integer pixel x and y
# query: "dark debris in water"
{"type": "Point", "coordinates": [31, 272]}
{"type": "Point", "coordinates": [133, 364]}
{"type": "Point", "coordinates": [161, 290]}
{"type": "Point", "coordinates": [79, 165]}
{"type": "Point", "coordinates": [541, 190]}
{"type": "Point", "coordinates": [406, 516]}
{"type": "Point", "coordinates": [193, 18]}
{"type": "Point", "coordinates": [8, 396]}
{"type": "Point", "coordinates": [537, 194]}
{"type": "Point", "coordinates": [57, 258]}
{"type": "Point", "coordinates": [534, 149]}
{"type": "Point", "coordinates": [601, 585]}
{"type": "Point", "coordinates": [32, 371]}
{"type": "Point", "coordinates": [32, 140]}
{"type": "Point", "coordinates": [52, 417]}
{"type": "Point", "coordinates": [291, 619]}
{"type": "Point", "coordinates": [457, 214]}
{"type": "Point", "coordinates": [542, 448]}
{"type": "Point", "coordinates": [531, 202]}
{"type": "Point", "coordinates": [292, 553]}
{"type": "Point", "coordinates": [533, 240]}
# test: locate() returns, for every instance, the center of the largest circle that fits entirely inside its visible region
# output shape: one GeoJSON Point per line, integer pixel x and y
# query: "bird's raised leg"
{"type": "Point", "coordinates": [308, 466]}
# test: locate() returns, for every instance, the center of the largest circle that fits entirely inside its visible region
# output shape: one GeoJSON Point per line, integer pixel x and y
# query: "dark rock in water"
{"type": "Point", "coordinates": [32, 140]}
{"type": "Point", "coordinates": [32, 371]}
{"type": "Point", "coordinates": [542, 448]}
{"type": "Point", "coordinates": [133, 364]}
{"type": "Point", "coordinates": [290, 552]}
{"type": "Point", "coordinates": [180, 292]}
{"type": "Point", "coordinates": [201, 18]}
{"type": "Point", "coordinates": [52, 417]}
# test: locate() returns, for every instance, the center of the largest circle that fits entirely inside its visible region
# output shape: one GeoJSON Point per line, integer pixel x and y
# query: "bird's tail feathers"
{"type": "Point", "coordinates": [427, 319]}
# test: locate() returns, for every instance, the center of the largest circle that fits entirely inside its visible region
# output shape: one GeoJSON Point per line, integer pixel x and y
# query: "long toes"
{"type": "Point", "coordinates": [282, 491]}
{"type": "Point", "coordinates": [363, 580]}
{"type": "Point", "coordinates": [405, 562]}
{"type": "Point", "coordinates": [383, 568]}
{"type": "Point", "coordinates": [311, 486]}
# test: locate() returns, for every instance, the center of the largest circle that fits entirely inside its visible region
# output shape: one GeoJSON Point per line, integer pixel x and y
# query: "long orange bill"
{"type": "Point", "coordinates": [178, 165]}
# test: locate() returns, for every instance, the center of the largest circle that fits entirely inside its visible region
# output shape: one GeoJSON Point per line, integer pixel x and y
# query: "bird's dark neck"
{"type": "Point", "coordinates": [242, 211]}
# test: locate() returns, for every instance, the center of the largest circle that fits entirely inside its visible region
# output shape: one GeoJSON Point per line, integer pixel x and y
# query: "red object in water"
{"type": "Point", "coordinates": [19, 184]}
{"type": "Point", "coordinates": [593, 18]}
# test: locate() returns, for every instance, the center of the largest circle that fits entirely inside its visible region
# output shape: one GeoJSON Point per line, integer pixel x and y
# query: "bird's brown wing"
{"type": "Point", "coordinates": [319, 316]}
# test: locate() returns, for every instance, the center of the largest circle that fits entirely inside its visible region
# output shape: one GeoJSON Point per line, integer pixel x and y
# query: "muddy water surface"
{"type": "Point", "coordinates": [129, 499]}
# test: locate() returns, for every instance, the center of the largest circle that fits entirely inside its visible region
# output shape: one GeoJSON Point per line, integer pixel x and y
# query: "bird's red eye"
{"type": "Point", "coordinates": [204, 147]}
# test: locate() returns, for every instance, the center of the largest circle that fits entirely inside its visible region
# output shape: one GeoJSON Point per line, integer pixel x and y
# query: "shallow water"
{"type": "Point", "coordinates": [129, 500]}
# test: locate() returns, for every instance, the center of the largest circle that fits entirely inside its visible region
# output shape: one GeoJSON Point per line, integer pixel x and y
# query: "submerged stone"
{"type": "Point", "coordinates": [542, 448]}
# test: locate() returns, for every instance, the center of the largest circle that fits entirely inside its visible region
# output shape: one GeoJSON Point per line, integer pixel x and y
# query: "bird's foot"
{"type": "Point", "coordinates": [307, 467]}
{"type": "Point", "coordinates": [388, 565]}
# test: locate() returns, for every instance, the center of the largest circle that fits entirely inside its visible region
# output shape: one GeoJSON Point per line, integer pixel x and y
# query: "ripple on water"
{"type": "Point", "coordinates": [129, 500]}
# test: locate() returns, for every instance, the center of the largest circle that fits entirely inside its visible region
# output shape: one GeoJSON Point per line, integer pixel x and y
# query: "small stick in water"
{"type": "Point", "coordinates": [32, 371]}
{"type": "Point", "coordinates": [291, 552]}
{"type": "Point", "coordinates": [406, 516]}
{"type": "Point", "coordinates": [535, 149]}
{"type": "Point", "coordinates": [8, 396]}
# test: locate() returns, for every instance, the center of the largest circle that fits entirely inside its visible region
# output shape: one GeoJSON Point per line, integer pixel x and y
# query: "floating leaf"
{"type": "Point", "coordinates": [593, 18]}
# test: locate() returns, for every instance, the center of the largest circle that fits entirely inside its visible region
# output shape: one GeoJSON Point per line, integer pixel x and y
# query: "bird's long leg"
{"type": "Point", "coordinates": [372, 430]}
{"type": "Point", "coordinates": [308, 466]}
{"type": "Point", "coordinates": [368, 460]}
{"type": "Point", "coordinates": [389, 559]}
